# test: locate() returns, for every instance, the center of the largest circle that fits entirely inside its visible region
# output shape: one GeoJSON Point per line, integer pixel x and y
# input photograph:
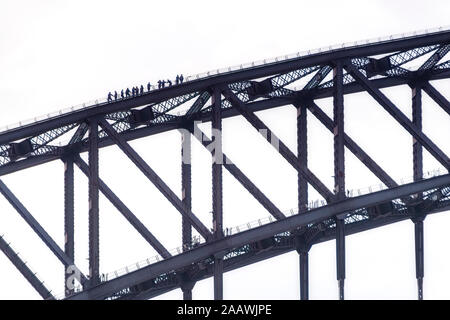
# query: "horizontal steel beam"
{"type": "Point", "coordinates": [108, 288]}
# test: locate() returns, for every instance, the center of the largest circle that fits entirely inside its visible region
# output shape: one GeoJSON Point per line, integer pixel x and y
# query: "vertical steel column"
{"type": "Point", "coordinates": [69, 229]}
{"type": "Point", "coordinates": [302, 155]}
{"type": "Point", "coordinates": [418, 175]}
{"type": "Point", "coordinates": [94, 256]}
{"type": "Point", "coordinates": [302, 246]}
{"type": "Point", "coordinates": [304, 275]}
{"type": "Point", "coordinates": [217, 160]}
{"type": "Point", "coordinates": [186, 198]}
{"type": "Point", "coordinates": [339, 170]}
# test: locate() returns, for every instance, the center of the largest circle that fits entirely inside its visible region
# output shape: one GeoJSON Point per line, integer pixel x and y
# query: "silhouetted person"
{"type": "Point", "coordinates": [177, 79]}
{"type": "Point", "coordinates": [115, 95]}
{"type": "Point", "coordinates": [109, 96]}
{"type": "Point", "coordinates": [127, 92]}
{"type": "Point", "coordinates": [149, 86]}
{"type": "Point", "coordinates": [121, 94]}
{"type": "Point", "coordinates": [169, 82]}
{"type": "Point", "coordinates": [159, 84]}
{"type": "Point", "coordinates": [142, 89]}
{"type": "Point", "coordinates": [163, 83]}
{"type": "Point", "coordinates": [181, 78]}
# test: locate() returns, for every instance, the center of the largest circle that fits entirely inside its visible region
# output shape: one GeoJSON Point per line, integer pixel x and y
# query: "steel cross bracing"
{"type": "Point", "coordinates": [294, 81]}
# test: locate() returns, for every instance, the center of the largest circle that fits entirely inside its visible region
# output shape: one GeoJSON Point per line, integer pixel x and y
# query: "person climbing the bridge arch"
{"type": "Point", "coordinates": [149, 86]}
{"type": "Point", "coordinates": [159, 84]}
{"type": "Point", "coordinates": [177, 79]}
{"type": "Point", "coordinates": [127, 92]}
{"type": "Point", "coordinates": [109, 96]}
{"type": "Point", "coordinates": [142, 89]}
{"type": "Point", "coordinates": [181, 78]}
{"type": "Point", "coordinates": [169, 82]}
{"type": "Point", "coordinates": [121, 94]}
{"type": "Point", "coordinates": [163, 83]}
{"type": "Point", "coordinates": [115, 94]}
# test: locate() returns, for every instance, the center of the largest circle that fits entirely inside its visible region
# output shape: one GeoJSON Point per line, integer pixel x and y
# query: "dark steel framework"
{"type": "Point", "coordinates": [368, 68]}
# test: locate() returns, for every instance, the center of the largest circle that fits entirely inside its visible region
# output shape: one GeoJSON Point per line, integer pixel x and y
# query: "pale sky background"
{"type": "Point", "coordinates": [54, 54]}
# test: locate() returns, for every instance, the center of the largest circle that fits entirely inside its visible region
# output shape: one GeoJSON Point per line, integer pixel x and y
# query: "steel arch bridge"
{"type": "Point", "coordinates": [366, 66]}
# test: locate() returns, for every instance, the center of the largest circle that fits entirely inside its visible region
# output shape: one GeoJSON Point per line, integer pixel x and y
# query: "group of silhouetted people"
{"type": "Point", "coordinates": [137, 91]}
{"type": "Point", "coordinates": [162, 83]}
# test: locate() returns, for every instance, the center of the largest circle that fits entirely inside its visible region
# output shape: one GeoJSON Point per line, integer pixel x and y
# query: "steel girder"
{"type": "Point", "coordinates": [339, 170]}
{"type": "Point", "coordinates": [217, 187]}
{"type": "Point", "coordinates": [230, 77]}
{"type": "Point", "coordinates": [304, 275]}
{"type": "Point", "coordinates": [275, 91]}
{"type": "Point", "coordinates": [241, 177]}
{"type": "Point", "coordinates": [354, 87]}
{"type": "Point", "coordinates": [94, 218]}
{"type": "Point", "coordinates": [352, 146]}
{"type": "Point", "coordinates": [186, 185]}
{"type": "Point", "coordinates": [418, 175]}
{"type": "Point", "coordinates": [108, 288]}
{"type": "Point", "coordinates": [31, 277]}
{"type": "Point", "coordinates": [167, 99]}
{"type": "Point", "coordinates": [230, 264]}
{"type": "Point", "coordinates": [302, 155]}
{"type": "Point", "coordinates": [437, 96]}
{"type": "Point", "coordinates": [186, 198]}
{"type": "Point", "coordinates": [419, 255]}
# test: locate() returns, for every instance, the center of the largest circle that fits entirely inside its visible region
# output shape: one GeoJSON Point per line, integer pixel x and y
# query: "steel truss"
{"type": "Point", "coordinates": [364, 68]}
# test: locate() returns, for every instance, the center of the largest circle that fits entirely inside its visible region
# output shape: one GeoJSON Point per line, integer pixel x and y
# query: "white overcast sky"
{"type": "Point", "coordinates": [55, 54]}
